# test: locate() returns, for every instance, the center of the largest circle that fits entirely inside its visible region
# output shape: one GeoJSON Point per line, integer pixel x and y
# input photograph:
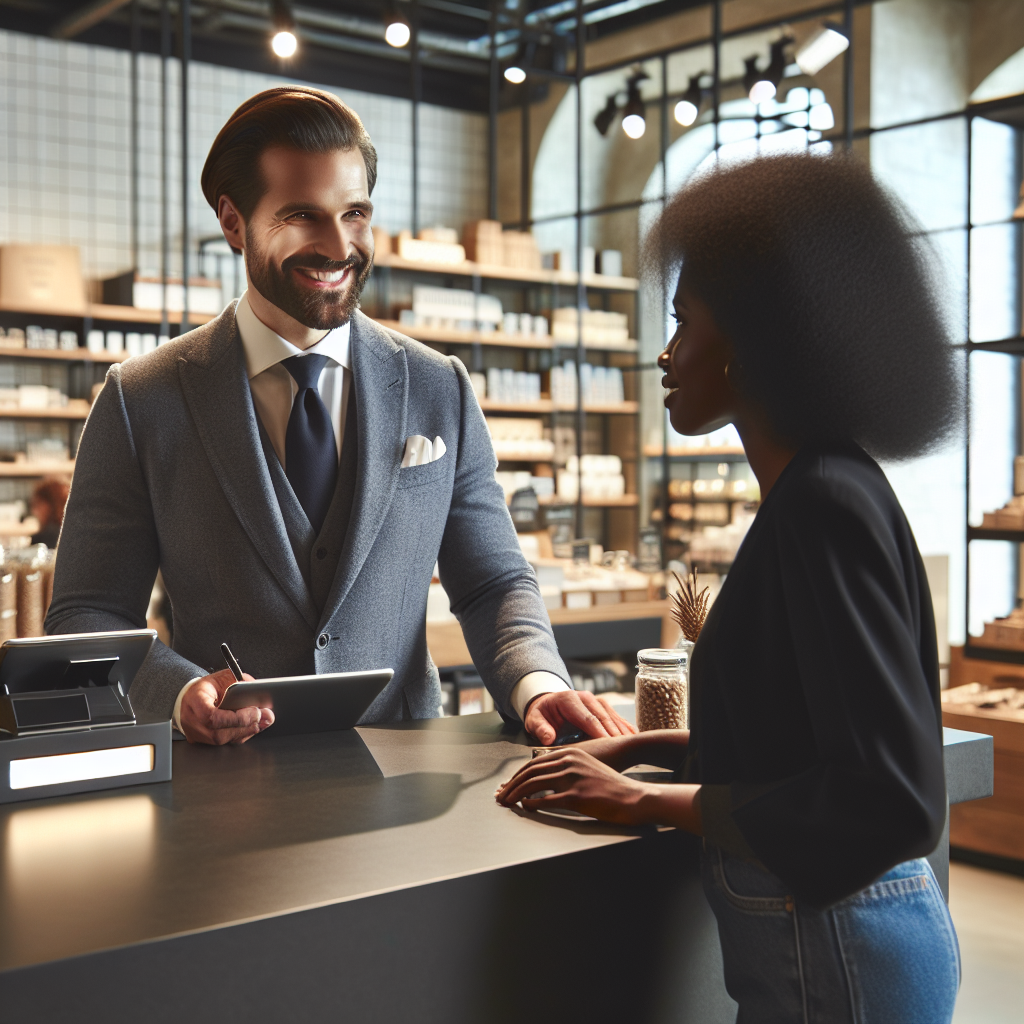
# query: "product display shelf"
{"type": "Point", "coordinates": [624, 501]}
{"type": "Point", "coordinates": [74, 355]}
{"type": "Point", "coordinates": [120, 314]}
{"type": "Point", "coordinates": [988, 533]}
{"type": "Point", "coordinates": [29, 469]}
{"type": "Point", "coordinates": [76, 409]}
{"type": "Point", "coordinates": [612, 522]}
{"type": "Point", "coordinates": [703, 453]}
{"type": "Point", "coordinates": [12, 529]}
{"type": "Point", "coordinates": [545, 405]}
{"type": "Point", "coordinates": [444, 335]}
{"type": "Point", "coordinates": [498, 273]}
{"type": "Point", "coordinates": [1008, 656]}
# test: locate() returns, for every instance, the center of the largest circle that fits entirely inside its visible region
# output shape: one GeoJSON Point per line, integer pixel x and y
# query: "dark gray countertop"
{"type": "Point", "coordinates": [279, 825]}
{"type": "Point", "coordinates": [276, 825]}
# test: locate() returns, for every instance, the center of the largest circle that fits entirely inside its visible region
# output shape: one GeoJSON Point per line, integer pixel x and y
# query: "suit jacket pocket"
{"type": "Point", "coordinates": [415, 476]}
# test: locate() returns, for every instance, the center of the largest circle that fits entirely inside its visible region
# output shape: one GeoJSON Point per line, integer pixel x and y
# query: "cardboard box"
{"type": "Point", "coordinates": [43, 278]}
{"type": "Point", "coordinates": [483, 242]}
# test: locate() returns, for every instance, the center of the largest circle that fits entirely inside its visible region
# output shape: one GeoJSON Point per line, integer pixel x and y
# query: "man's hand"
{"type": "Point", "coordinates": [575, 781]}
{"type": "Point", "coordinates": [577, 709]}
{"type": "Point", "coordinates": [202, 721]}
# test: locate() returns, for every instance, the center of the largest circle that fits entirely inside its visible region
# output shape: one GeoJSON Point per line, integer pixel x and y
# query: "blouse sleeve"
{"type": "Point", "coordinates": [861, 625]}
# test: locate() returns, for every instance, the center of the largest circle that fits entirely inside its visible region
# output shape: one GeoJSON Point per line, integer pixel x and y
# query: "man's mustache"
{"type": "Point", "coordinates": [313, 261]}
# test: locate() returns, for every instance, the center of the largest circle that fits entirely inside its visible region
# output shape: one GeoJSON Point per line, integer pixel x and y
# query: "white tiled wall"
{"type": "Point", "coordinates": [65, 166]}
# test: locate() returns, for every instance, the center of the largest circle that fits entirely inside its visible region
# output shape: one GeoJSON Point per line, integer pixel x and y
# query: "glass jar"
{"type": "Point", "coordinates": [662, 688]}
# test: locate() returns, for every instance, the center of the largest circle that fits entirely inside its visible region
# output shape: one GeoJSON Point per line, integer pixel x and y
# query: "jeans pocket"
{"type": "Point", "coordinates": [899, 948]}
{"type": "Point", "coordinates": [749, 887]}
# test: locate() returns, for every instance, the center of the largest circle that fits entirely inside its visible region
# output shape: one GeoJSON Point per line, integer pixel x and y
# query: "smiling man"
{"type": "Point", "coordinates": [261, 463]}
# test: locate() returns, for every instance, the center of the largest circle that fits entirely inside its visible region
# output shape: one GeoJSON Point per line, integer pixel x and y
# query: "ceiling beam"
{"type": "Point", "coordinates": [85, 17]}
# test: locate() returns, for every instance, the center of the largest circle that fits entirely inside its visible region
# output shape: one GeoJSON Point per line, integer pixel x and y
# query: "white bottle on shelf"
{"type": "Point", "coordinates": [94, 341]}
{"type": "Point", "coordinates": [115, 342]}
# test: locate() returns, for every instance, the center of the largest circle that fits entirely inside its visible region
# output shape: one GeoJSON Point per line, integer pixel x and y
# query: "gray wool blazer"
{"type": "Point", "coordinates": [171, 474]}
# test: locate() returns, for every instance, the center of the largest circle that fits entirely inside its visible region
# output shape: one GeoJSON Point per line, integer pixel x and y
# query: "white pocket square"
{"type": "Point", "coordinates": [419, 450]}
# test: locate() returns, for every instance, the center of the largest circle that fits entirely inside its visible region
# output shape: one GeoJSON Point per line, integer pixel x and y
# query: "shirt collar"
{"type": "Point", "coordinates": [265, 348]}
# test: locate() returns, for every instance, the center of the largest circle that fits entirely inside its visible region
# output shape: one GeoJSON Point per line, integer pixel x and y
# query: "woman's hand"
{"type": "Point", "coordinates": [580, 783]}
{"type": "Point", "coordinates": [614, 751]}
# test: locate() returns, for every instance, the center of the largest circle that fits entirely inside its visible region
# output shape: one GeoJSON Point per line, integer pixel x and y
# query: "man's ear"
{"type": "Point", "coordinates": [232, 224]}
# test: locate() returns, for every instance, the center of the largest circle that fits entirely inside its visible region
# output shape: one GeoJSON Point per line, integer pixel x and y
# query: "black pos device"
{"type": "Point", "coordinates": [66, 723]}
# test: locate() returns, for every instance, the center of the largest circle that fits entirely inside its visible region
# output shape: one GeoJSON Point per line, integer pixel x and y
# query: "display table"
{"type": "Point", "coordinates": [367, 876]}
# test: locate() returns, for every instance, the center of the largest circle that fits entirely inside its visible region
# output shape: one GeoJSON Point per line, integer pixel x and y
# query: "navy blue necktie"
{"type": "Point", "coordinates": [310, 449]}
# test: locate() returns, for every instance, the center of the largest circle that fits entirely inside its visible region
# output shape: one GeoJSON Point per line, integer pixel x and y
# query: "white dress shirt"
{"type": "Point", "coordinates": [273, 392]}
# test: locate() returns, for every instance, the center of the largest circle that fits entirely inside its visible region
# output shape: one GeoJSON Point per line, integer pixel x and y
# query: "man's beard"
{"type": "Point", "coordinates": [317, 309]}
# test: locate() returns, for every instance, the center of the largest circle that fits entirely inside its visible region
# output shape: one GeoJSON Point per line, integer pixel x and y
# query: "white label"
{"type": "Point", "coordinates": [88, 764]}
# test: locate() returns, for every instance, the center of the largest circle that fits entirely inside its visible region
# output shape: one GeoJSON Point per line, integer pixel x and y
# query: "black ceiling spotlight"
{"type": "Point", "coordinates": [603, 121]}
{"type": "Point", "coordinates": [688, 107]}
{"type": "Point", "coordinates": [283, 40]}
{"type": "Point", "coordinates": [761, 86]}
{"type": "Point", "coordinates": [634, 123]}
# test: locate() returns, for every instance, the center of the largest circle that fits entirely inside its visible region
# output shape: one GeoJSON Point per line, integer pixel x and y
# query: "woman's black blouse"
{"type": "Point", "coordinates": [816, 721]}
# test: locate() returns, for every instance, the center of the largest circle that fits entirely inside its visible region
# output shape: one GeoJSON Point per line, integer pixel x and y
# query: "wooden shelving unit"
{"type": "Point", "coordinates": [612, 522]}
{"type": "Point", "coordinates": [468, 268]}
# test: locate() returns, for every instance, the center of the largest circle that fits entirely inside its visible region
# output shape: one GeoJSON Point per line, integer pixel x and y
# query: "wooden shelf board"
{"type": "Point", "coordinates": [626, 501]}
{"type": "Point", "coordinates": [1006, 655]}
{"type": "Point", "coordinates": [37, 468]}
{"type": "Point", "coordinates": [989, 533]}
{"type": "Point", "coordinates": [545, 405]}
{"type": "Point", "coordinates": [17, 529]}
{"type": "Point", "coordinates": [76, 409]}
{"type": "Point", "coordinates": [523, 457]}
{"type": "Point", "coordinates": [125, 314]}
{"type": "Point", "coordinates": [445, 335]}
{"type": "Point", "coordinates": [499, 273]}
{"type": "Point", "coordinates": [67, 355]}
{"type": "Point", "coordinates": [724, 452]}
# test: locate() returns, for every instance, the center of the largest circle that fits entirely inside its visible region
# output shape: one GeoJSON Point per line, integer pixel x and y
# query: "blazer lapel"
{"type": "Point", "coordinates": [216, 388]}
{"type": "Point", "coordinates": [380, 376]}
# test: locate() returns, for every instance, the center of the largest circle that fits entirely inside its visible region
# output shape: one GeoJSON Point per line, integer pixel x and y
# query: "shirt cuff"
{"type": "Point", "coordinates": [176, 714]}
{"type": "Point", "coordinates": [533, 684]}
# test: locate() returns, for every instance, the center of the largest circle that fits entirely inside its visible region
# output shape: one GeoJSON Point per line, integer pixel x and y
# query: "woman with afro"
{"type": "Point", "coordinates": [807, 317]}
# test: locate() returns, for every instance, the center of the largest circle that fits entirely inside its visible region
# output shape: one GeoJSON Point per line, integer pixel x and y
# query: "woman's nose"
{"type": "Point", "coordinates": [663, 360]}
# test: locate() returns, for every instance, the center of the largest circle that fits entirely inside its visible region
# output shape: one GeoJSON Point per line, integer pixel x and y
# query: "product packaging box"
{"type": "Point", "coordinates": [42, 277]}
{"type": "Point", "coordinates": [483, 242]}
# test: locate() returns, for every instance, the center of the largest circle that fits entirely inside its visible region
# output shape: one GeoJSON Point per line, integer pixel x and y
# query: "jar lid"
{"type": "Point", "coordinates": [663, 657]}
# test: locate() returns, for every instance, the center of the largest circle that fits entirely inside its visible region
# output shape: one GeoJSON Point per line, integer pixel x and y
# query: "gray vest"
{"type": "Point", "coordinates": [318, 556]}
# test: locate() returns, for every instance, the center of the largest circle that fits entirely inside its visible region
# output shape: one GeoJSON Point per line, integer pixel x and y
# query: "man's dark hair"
{"type": "Point", "coordinates": [291, 116]}
{"type": "Point", "coordinates": [828, 293]}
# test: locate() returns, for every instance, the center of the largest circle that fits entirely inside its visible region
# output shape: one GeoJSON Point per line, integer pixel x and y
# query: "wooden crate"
{"type": "Point", "coordinates": [994, 825]}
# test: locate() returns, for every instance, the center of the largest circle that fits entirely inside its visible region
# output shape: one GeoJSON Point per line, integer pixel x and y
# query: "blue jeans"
{"type": "Point", "coordinates": [886, 955]}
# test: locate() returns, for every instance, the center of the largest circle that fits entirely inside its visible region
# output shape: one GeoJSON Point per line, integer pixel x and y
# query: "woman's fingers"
{"type": "Point", "coordinates": [537, 784]}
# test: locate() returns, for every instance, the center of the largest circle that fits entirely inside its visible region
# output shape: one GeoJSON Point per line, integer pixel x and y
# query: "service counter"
{"type": "Point", "coordinates": [364, 875]}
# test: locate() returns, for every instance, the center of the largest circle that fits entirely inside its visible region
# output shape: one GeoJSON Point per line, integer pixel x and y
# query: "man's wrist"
{"type": "Point", "coordinates": [533, 685]}
{"type": "Point", "coordinates": [176, 713]}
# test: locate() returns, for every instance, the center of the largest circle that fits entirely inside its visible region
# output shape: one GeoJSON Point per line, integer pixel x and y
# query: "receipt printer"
{"type": "Point", "coordinates": [66, 723]}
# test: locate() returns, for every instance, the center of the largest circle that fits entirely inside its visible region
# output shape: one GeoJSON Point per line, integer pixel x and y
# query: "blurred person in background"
{"type": "Point", "coordinates": [49, 497]}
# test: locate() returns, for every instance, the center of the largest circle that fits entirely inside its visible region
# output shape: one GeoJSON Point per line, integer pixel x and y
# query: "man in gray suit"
{"type": "Point", "coordinates": [295, 470]}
